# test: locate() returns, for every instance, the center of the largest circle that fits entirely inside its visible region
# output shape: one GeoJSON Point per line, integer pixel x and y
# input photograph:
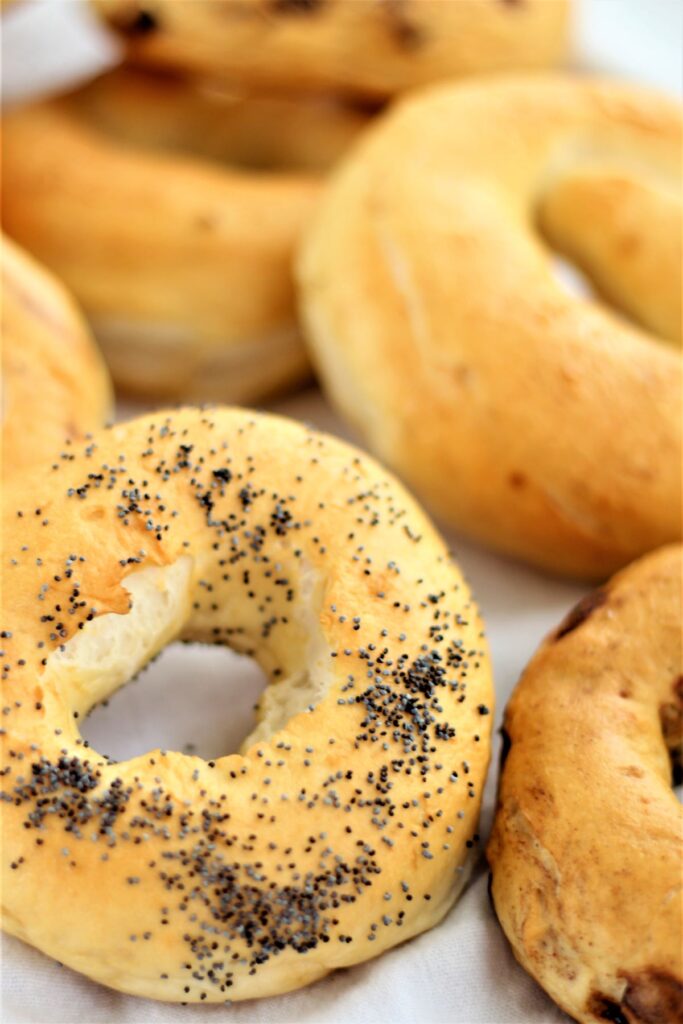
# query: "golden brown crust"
{"type": "Point", "coordinates": [254, 131]}
{"type": "Point", "coordinates": [181, 263]}
{"type": "Point", "coordinates": [588, 838]}
{"type": "Point", "coordinates": [379, 47]}
{"type": "Point", "coordinates": [595, 217]}
{"type": "Point", "coordinates": [54, 384]}
{"type": "Point", "coordinates": [338, 831]}
{"type": "Point", "coordinates": [542, 424]}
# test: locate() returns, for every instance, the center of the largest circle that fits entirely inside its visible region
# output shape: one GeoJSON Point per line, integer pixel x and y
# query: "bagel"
{"type": "Point", "coordinates": [346, 825]}
{"type": "Point", "coordinates": [538, 422]}
{"type": "Point", "coordinates": [182, 265]}
{"type": "Point", "coordinates": [54, 384]}
{"type": "Point", "coordinates": [587, 844]}
{"type": "Point", "coordinates": [378, 47]}
{"type": "Point", "coordinates": [256, 131]}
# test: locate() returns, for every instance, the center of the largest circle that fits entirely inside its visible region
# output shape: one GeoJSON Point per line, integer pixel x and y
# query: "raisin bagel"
{"type": "Point", "coordinates": [373, 47]}
{"type": "Point", "coordinates": [587, 844]}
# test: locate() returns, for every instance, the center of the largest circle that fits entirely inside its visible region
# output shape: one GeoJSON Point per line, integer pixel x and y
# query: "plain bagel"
{"type": "Point", "coordinates": [347, 823]}
{"type": "Point", "coordinates": [235, 127]}
{"type": "Point", "coordinates": [541, 423]}
{"type": "Point", "coordinates": [129, 190]}
{"type": "Point", "coordinates": [55, 387]}
{"type": "Point", "coordinates": [587, 844]}
{"type": "Point", "coordinates": [374, 47]}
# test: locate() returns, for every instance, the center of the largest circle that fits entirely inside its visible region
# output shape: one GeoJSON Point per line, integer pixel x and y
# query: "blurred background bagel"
{"type": "Point", "coordinates": [376, 47]}
{"type": "Point", "coordinates": [128, 188]}
{"type": "Point", "coordinates": [253, 130]}
{"type": "Point", "coordinates": [172, 206]}
{"type": "Point", "coordinates": [55, 388]}
{"type": "Point", "coordinates": [536, 420]}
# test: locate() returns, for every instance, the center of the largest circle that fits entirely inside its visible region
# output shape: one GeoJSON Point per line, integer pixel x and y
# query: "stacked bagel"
{"type": "Point", "coordinates": [179, 196]}
{"type": "Point", "coordinates": [181, 262]}
{"type": "Point", "coordinates": [376, 49]}
{"type": "Point", "coordinates": [247, 198]}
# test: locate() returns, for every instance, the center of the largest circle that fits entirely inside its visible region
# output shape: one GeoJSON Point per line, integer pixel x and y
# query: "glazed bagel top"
{"type": "Point", "coordinates": [377, 47]}
{"type": "Point", "coordinates": [54, 384]}
{"type": "Point", "coordinates": [587, 844]}
{"type": "Point", "coordinates": [344, 825]}
{"type": "Point", "coordinates": [540, 422]}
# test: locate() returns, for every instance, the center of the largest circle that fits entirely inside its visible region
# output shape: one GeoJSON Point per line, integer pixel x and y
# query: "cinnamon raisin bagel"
{"type": "Point", "coordinates": [128, 188]}
{"type": "Point", "coordinates": [541, 423]}
{"type": "Point", "coordinates": [587, 844]}
{"type": "Point", "coordinates": [374, 47]}
{"type": "Point", "coordinates": [344, 827]}
{"type": "Point", "coordinates": [54, 384]}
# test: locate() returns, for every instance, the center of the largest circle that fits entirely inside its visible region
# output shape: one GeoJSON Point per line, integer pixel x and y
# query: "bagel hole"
{"type": "Point", "coordinates": [572, 278]}
{"type": "Point", "coordinates": [193, 698]}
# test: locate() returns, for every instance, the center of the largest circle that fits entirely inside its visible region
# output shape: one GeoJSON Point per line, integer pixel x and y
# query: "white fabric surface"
{"type": "Point", "coordinates": [461, 972]}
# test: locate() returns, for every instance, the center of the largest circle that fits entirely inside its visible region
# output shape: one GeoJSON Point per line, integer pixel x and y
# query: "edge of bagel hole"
{"type": "Point", "coordinates": [576, 281]}
{"type": "Point", "coordinates": [113, 650]}
{"type": "Point", "coordinates": [572, 278]}
{"type": "Point", "coordinates": [578, 284]}
{"type": "Point", "coordinates": [194, 698]}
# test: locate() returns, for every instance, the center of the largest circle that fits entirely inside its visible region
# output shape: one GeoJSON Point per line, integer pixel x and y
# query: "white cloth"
{"type": "Point", "coordinates": [461, 972]}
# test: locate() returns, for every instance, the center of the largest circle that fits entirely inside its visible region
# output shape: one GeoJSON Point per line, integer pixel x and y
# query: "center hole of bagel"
{"type": "Point", "coordinates": [572, 279]}
{"type": "Point", "coordinates": [194, 698]}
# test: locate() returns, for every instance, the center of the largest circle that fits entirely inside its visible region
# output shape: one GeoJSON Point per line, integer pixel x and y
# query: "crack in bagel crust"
{"type": "Point", "coordinates": [348, 821]}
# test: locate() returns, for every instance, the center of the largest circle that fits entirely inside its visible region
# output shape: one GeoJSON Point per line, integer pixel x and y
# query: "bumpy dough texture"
{"type": "Point", "coordinates": [54, 384]}
{"type": "Point", "coordinates": [587, 843]}
{"type": "Point", "coordinates": [340, 830]}
{"type": "Point", "coordinates": [539, 422]}
{"type": "Point", "coordinates": [376, 47]}
{"type": "Point", "coordinates": [129, 189]}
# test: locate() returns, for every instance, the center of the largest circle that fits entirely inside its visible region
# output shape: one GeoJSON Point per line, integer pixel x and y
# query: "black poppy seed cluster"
{"type": "Point", "coordinates": [206, 865]}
